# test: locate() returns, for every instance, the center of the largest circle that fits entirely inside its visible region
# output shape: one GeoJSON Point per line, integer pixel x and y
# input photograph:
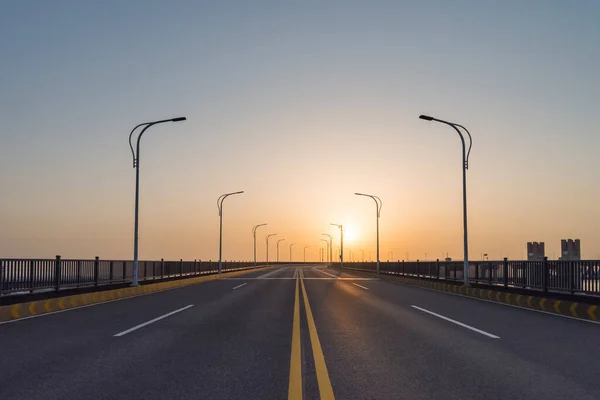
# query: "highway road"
{"type": "Point", "coordinates": [300, 332]}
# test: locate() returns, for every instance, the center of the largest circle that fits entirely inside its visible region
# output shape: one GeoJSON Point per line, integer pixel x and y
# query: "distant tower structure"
{"type": "Point", "coordinates": [536, 251]}
{"type": "Point", "coordinates": [570, 250]}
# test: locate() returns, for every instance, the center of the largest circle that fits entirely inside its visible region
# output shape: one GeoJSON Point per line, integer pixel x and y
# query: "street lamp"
{"type": "Point", "coordinates": [330, 246]}
{"type": "Point", "coordinates": [378, 204]}
{"type": "Point", "coordinates": [392, 257]}
{"type": "Point", "coordinates": [254, 228]}
{"type": "Point", "coordinates": [220, 207]}
{"type": "Point", "coordinates": [280, 240]}
{"type": "Point", "coordinates": [363, 255]}
{"type": "Point", "coordinates": [326, 244]}
{"type": "Point", "coordinates": [464, 166]}
{"type": "Point", "coordinates": [291, 245]}
{"type": "Point", "coordinates": [341, 244]}
{"type": "Point", "coordinates": [136, 165]}
{"type": "Point", "coordinates": [267, 240]}
{"type": "Point", "coordinates": [305, 247]}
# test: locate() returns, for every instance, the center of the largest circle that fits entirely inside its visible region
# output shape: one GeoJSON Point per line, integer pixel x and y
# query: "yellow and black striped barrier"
{"type": "Point", "coordinates": [32, 308]}
{"type": "Point", "coordinates": [548, 304]}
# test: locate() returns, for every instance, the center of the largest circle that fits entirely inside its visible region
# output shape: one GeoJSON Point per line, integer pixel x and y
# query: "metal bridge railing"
{"type": "Point", "coordinates": [36, 275]}
{"type": "Point", "coordinates": [573, 277]}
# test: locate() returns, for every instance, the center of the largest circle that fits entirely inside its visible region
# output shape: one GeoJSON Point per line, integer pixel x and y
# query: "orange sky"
{"type": "Point", "coordinates": [300, 107]}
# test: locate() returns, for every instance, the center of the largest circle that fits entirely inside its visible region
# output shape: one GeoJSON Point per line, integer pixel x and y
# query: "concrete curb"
{"type": "Point", "coordinates": [540, 303]}
{"type": "Point", "coordinates": [29, 309]}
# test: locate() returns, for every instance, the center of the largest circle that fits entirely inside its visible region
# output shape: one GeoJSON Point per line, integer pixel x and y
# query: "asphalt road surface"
{"type": "Point", "coordinates": [299, 333]}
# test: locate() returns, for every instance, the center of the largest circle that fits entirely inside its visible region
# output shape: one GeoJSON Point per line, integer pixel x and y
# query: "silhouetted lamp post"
{"type": "Point", "coordinates": [341, 244]}
{"type": "Point", "coordinates": [136, 165]}
{"type": "Point", "coordinates": [378, 205]}
{"type": "Point", "coordinates": [330, 246]}
{"type": "Point", "coordinates": [220, 207]}
{"type": "Point", "coordinates": [327, 247]}
{"type": "Point", "coordinates": [464, 166]}
{"type": "Point", "coordinates": [305, 247]}
{"type": "Point", "coordinates": [280, 240]}
{"type": "Point", "coordinates": [267, 240]}
{"type": "Point", "coordinates": [254, 228]}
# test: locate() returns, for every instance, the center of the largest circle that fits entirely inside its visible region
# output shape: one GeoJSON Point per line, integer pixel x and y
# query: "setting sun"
{"type": "Point", "coordinates": [351, 233]}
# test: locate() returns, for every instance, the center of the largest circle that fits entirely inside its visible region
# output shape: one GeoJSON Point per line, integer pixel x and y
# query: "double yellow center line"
{"type": "Point", "coordinates": [295, 387]}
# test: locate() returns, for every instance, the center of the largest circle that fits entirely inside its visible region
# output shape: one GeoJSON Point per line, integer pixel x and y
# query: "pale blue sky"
{"type": "Point", "coordinates": [300, 104]}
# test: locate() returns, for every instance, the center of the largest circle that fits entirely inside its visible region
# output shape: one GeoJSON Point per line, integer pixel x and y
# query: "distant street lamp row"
{"type": "Point", "coordinates": [378, 204]}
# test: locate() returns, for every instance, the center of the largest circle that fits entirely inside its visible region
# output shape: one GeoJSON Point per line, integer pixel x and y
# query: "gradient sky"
{"type": "Point", "coordinates": [300, 104]}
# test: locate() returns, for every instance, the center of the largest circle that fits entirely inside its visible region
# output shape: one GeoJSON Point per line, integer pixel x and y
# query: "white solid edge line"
{"type": "Point", "coordinates": [457, 323]}
{"type": "Point", "coordinates": [326, 273]}
{"type": "Point", "coordinates": [135, 328]}
{"type": "Point", "coordinates": [239, 286]}
{"type": "Point", "coordinates": [361, 286]}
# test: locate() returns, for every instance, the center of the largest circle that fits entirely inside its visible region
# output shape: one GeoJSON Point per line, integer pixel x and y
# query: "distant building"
{"type": "Point", "coordinates": [448, 259]}
{"type": "Point", "coordinates": [536, 251]}
{"type": "Point", "coordinates": [570, 250]}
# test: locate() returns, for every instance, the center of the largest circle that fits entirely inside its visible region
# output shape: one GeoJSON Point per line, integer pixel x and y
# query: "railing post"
{"type": "Point", "coordinates": [181, 267]}
{"type": "Point", "coordinates": [31, 270]}
{"type": "Point", "coordinates": [505, 271]}
{"type": "Point", "coordinates": [78, 278]}
{"type": "Point", "coordinates": [1, 278]}
{"type": "Point", "coordinates": [111, 271]}
{"type": "Point", "coordinates": [403, 268]}
{"type": "Point", "coordinates": [162, 268]}
{"type": "Point", "coordinates": [571, 277]}
{"type": "Point", "coordinates": [124, 270]}
{"type": "Point", "coordinates": [194, 270]}
{"type": "Point", "coordinates": [57, 273]}
{"type": "Point", "coordinates": [545, 275]}
{"type": "Point", "coordinates": [145, 270]}
{"type": "Point", "coordinates": [476, 272]}
{"type": "Point", "coordinates": [417, 268]}
{"type": "Point", "coordinates": [96, 270]}
{"type": "Point", "coordinates": [437, 269]}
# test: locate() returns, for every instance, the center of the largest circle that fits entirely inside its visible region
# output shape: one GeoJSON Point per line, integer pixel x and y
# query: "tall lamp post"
{"type": "Point", "coordinates": [136, 165]}
{"type": "Point", "coordinates": [291, 245]}
{"type": "Point", "coordinates": [363, 255]}
{"type": "Point", "coordinates": [392, 257]}
{"type": "Point", "coordinates": [267, 240]}
{"type": "Point", "coordinates": [330, 246]}
{"type": "Point", "coordinates": [220, 207]}
{"type": "Point", "coordinates": [378, 204]}
{"type": "Point", "coordinates": [280, 240]}
{"type": "Point", "coordinates": [327, 248]}
{"type": "Point", "coordinates": [305, 247]}
{"type": "Point", "coordinates": [254, 228]}
{"type": "Point", "coordinates": [341, 244]}
{"type": "Point", "coordinates": [464, 167]}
